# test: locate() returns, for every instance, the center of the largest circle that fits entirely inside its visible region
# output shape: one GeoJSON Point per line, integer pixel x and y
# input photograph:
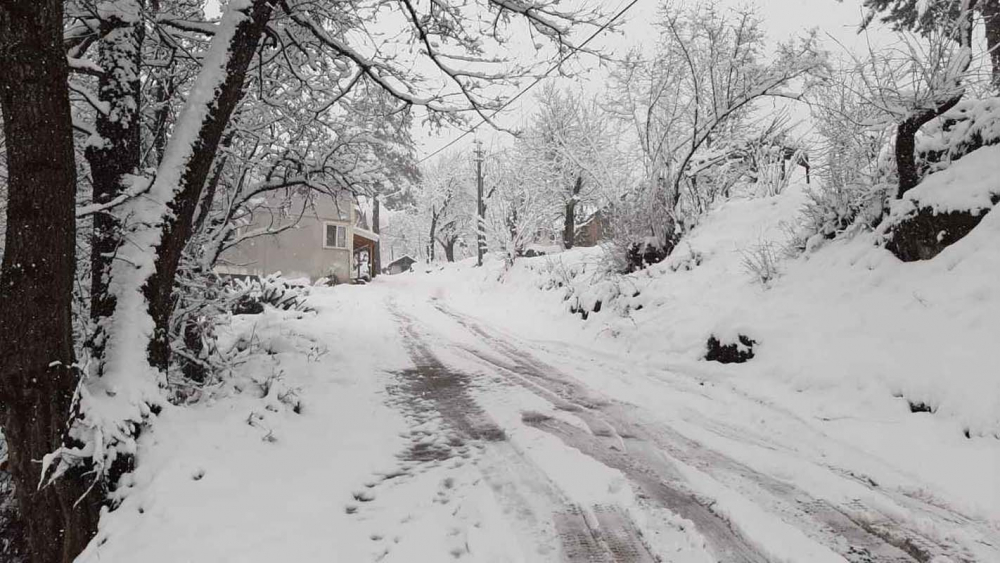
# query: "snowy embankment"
{"type": "Point", "coordinates": [264, 467]}
{"type": "Point", "coordinates": [889, 358]}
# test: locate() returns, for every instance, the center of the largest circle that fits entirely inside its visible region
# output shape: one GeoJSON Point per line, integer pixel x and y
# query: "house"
{"type": "Point", "coordinates": [330, 240]}
{"type": "Point", "coordinates": [400, 265]}
{"type": "Point", "coordinates": [593, 230]}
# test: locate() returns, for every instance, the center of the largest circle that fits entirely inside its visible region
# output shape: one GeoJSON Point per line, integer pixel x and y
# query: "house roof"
{"type": "Point", "coordinates": [365, 233]}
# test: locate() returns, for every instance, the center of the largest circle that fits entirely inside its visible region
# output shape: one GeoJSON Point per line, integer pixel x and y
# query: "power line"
{"type": "Point", "coordinates": [565, 57]}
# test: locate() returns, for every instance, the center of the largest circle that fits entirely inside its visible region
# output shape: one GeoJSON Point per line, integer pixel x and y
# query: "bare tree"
{"type": "Point", "coordinates": [916, 82]}
{"type": "Point", "coordinates": [572, 139]}
{"type": "Point", "coordinates": [447, 204]}
{"type": "Point", "coordinates": [693, 94]}
{"type": "Point", "coordinates": [929, 17]}
{"type": "Point", "coordinates": [519, 208]}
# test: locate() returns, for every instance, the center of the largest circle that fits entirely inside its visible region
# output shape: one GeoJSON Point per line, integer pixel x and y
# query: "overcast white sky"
{"type": "Point", "coordinates": [836, 21]}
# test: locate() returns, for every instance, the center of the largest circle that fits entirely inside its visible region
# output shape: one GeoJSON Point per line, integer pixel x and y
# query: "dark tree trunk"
{"type": "Point", "coordinates": [906, 134]}
{"type": "Point", "coordinates": [430, 247]}
{"type": "Point", "coordinates": [569, 224]}
{"type": "Point", "coordinates": [212, 187]}
{"type": "Point", "coordinates": [449, 248]}
{"type": "Point", "coordinates": [119, 53]}
{"type": "Point", "coordinates": [377, 259]}
{"type": "Point", "coordinates": [37, 379]}
{"type": "Point", "coordinates": [177, 230]}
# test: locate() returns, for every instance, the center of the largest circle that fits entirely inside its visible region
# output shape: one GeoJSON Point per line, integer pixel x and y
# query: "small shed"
{"type": "Point", "coordinates": [400, 265]}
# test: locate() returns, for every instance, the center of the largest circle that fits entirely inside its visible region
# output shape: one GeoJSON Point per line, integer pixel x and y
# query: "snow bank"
{"type": "Point", "coordinates": [970, 184]}
{"type": "Point", "coordinates": [266, 468]}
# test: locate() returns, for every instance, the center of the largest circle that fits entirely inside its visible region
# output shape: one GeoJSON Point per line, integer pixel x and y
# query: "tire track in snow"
{"type": "Point", "coordinates": [620, 438]}
{"type": "Point", "coordinates": [430, 389]}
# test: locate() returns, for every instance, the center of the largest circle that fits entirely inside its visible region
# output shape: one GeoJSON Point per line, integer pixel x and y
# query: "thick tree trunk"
{"type": "Point", "coordinates": [177, 230]}
{"type": "Point", "coordinates": [569, 224]}
{"type": "Point", "coordinates": [991, 16]}
{"type": "Point", "coordinates": [120, 56]}
{"type": "Point", "coordinates": [906, 134]}
{"type": "Point", "coordinates": [449, 248]}
{"type": "Point", "coordinates": [37, 377]}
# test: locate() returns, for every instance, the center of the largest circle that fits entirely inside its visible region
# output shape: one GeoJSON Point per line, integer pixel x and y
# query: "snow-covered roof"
{"type": "Point", "coordinates": [402, 258]}
{"type": "Point", "coordinates": [365, 233]}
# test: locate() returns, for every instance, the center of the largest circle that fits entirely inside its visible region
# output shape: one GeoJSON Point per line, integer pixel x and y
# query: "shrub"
{"type": "Point", "coordinates": [834, 209]}
{"type": "Point", "coordinates": [729, 353]}
{"type": "Point", "coordinates": [249, 296]}
{"type": "Point", "coordinates": [761, 262]}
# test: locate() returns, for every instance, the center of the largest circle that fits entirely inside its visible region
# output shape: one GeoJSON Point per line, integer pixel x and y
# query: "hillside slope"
{"type": "Point", "coordinates": [892, 357]}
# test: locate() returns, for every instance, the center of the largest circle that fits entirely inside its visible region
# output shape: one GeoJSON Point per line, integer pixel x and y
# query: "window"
{"type": "Point", "coordinates": [335, 236]}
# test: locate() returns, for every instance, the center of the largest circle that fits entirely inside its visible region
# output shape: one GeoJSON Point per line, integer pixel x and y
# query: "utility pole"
{"type": "Point", "coordinates": [377, 259]}
{"type": "Point", "coordinates": [480, 210]}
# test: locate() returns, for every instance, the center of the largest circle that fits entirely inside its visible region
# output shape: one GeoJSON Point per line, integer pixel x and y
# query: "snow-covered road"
{"type": "Point", "coordinates": [590, 457]}
{"type": "Point", "coordinates": [411, 422]}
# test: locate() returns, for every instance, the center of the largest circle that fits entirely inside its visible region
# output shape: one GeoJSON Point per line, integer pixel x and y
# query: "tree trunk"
{"type": "Point", "coordinates": [177, 229]}
{"type": "Point", "coordinates": [120, 56]}
{"type": "Point", "coordinates": [37, 379]}
{"type": "Point", "coordinates": [430, 247]}
{"type": "Point", "coordinates": [449, 248]}
{"type": "Point", "coordinates": [991, 16]}
{"type": "Point", "coordinates": [569, 224]}
{"type": "Point", "coordinates": [209, 193]}
{"type": "Point", "coordinates": [906, 133]}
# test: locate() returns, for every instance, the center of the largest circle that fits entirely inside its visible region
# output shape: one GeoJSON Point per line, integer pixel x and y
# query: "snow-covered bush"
{"type": "Point", "coordinates": [685, 261]}
{"type": "Point", "coordinates": [831, 210]}
{"type": "Point", "coordinates": [760, 261]}
{"type": "Point", "coordinates": [772, 177]}
{"type": "Point", "coordinates": [249, 296]}
{"type": "Point", "coordinates": [641, 230]}
{"type": "Point", "coordinates": [207, 300]}
{"type": "Point", "coordinates": [852, 162]}
{"type": "Point", "coordinates": [587, 286]}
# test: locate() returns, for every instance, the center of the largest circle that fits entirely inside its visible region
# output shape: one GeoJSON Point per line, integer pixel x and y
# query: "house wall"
{"type": "Point", "coordinates": [595, 230]}
{"type": "Point", "coordinates": [299, 251]}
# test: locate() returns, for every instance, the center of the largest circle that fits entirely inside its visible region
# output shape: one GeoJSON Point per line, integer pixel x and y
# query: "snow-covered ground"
{"type": "Point", "coordinates": [466, 414]}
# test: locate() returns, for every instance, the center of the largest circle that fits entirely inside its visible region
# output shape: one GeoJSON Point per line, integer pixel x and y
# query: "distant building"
{"type": "Point", "coordinates": [400, 265]}
{"type": "Point", "coordinates": [332, 240]}
{"type": "Point", "coordinates": [593, 230]}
